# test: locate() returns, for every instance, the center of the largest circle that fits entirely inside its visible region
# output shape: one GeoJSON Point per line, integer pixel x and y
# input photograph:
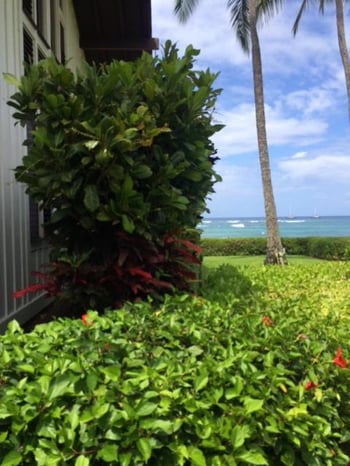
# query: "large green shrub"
{"type": "Point", "coordinates": [122, 158]}
{"type": "Point", "coordinates": [194, 382]}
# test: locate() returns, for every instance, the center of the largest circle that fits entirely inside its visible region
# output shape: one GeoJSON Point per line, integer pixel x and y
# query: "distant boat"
{"type": "Point", "coordinates": [290, 215]}
{"type": "Point", "coordinates": [315, 215]}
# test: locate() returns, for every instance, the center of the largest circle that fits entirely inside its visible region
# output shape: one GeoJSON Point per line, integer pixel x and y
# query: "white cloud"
{"type": "Point", "coordinates": [310, 101]}
{"type": "Point", "coordinates": [332, 168]}
{"type": "Point", "coordinates": [207, 29]}
{"type": "Point", "coordinates": [239, 134]}
{"type": "Point", "coordinates": [299, 155]}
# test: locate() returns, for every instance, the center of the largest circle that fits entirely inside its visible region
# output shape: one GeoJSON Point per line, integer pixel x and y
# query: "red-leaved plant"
{"type": "Point", "coordinates": [139, 268]}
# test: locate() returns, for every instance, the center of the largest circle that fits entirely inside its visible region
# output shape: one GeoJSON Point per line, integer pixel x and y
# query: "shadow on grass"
{"type": "Point", "coordinates": [226, 284]}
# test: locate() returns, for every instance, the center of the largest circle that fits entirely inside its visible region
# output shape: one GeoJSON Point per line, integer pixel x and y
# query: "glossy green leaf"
{"type": "Point", "coordinates": [128, 224]}
{"type": "Point", "coordinates": [60, 385]}
{"type": "Point", "coordinates": [13, 458]}
{"type": "Point", "coordinates": [239, 434]}
{"type": "Point", "coordinates": [145, 409]}
{"type": "Point", "coordinates": [196, 456]}
{"type": "Point", "coordinates": [125, 459]}
{"type": "Point", "coordinates": [91, 144]}
{"type": "Point", "coordinates": [108, 453]}
{"type": "Point", "coordinates": [82, 461]}
{"type": "Point", "coordinates": [112, 373]}
{"type": "Point", "coordinates": [251, 405]}
{"type": "Point", "coordinates": [201, 381]}
{"type": "Point", "coordinates": [91, 198]}
{"type": "Point", "coordinates": [11, 79]}
{"type": "Point", "coordinates": [142, 172]}
{"type": "Point", "coordinates": [252, 457]}
{"type": "Point", "coordinates": [145, 448]}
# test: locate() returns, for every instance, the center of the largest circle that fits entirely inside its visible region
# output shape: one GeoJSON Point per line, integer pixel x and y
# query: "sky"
{"type": "Point", "coordinates": [308, 126]}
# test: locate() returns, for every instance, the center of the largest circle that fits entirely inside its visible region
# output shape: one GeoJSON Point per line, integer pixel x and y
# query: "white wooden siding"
{"type": "Point", "coordinates": [18, 257]}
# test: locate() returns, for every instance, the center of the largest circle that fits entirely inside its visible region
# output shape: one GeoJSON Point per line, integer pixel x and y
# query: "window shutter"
{"type": "Point", "coordinates": [28, 48]}
{"type": "Point", "coordinates": [27, 6]}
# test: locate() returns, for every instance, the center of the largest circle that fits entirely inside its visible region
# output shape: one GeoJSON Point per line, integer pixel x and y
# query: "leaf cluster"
{"type": "Point", "coordinates": [126, 144]}
{"type": "Point", "coordinates": [195, 381]}
{"type": "Point", "coordinates": [121, 156]}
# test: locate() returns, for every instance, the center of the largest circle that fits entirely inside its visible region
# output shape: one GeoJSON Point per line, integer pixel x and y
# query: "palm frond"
{"type": "Point", "coordinates": [323, 2]}
{"type": "Point", "coordinates": [267, 8]}
{"type": "Point", "coordinates": [184, 8]}
{"type": "Point", "coordinates": [302, 8]}
{"type": "Point", "coordinates": [239, 18]}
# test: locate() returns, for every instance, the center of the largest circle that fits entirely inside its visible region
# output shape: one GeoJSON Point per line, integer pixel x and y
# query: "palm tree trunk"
{"type": "Point", "coordinates": [275, 253]}
{"type": "Point", "coordinates": [339, 10]}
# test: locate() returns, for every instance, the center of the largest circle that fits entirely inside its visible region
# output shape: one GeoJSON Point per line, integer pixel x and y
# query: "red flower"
{"type": "Point", "coordinates": [338, 359]}
{"type": "Point", "coordinates": [310, 385]}
{"type": "Point", "coordinates": [266, 321]}
{"type": "Point", "coordinates": [85, 320]}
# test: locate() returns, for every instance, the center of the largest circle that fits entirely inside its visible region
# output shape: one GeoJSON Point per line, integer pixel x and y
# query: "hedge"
{"type": "Point", "coordinates": [329, 248]}
{"type": "Point", "coordinates": [254, 372]}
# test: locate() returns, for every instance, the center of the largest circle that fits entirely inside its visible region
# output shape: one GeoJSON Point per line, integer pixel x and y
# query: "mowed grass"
{"type": "Point", "coordinates": [215, 261]}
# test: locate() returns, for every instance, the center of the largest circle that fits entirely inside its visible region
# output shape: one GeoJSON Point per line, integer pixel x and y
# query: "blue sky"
{"type": "Point", "coordinates": [308, 127]}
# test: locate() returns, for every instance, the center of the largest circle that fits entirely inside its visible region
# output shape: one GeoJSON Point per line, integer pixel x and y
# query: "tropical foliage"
{"type": "Point", "coordinates": [254, 372]}
{"type": "Point", "coordinates": [122, 158]}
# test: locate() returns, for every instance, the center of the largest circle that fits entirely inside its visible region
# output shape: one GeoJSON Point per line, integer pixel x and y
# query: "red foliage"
{"type": "Point", "coordinates": [34, 288]}
{"type": "Point", "coordinates": [136, 268]}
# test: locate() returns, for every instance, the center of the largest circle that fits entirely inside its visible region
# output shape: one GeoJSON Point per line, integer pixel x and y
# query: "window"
{"type": "Point", "coordinates": [53, 25]}
{"type": "Point", "coordinates": [43, 35]}
{"type": "Point", "coordinates": [40, 17]}
{"type": "Point", "coordinates": [28, 48]}
{"type": "Point", "coordinates": [27, 6]}
{"type": "Point", "coordinates": [44, 21]}
{"type": "Point", "coordinates": [62, 44]}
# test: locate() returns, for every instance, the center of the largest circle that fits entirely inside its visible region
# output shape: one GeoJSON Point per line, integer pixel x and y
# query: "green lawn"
{"type": "Point", "coordinates": [216, 261]}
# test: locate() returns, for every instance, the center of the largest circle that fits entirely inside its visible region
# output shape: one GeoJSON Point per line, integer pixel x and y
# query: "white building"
{"type": "Point", "coordinates": [30, 30]}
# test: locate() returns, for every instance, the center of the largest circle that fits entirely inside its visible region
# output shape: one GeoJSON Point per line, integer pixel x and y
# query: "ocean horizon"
{"type": "Point", "coordinates": [254, 227]}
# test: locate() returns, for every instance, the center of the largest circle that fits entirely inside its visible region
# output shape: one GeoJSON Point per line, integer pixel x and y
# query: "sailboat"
{"type": "Point", "coordinates": [315, 215]}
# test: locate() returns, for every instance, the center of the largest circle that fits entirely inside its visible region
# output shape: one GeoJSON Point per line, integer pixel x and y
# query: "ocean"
{"type": "Point", "coordinates": [254, 227]}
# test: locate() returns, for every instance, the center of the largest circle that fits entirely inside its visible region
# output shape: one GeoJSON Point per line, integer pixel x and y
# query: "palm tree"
{"type": "Point", "coordinates": [343, 50]}
{"type": "Point", "coordinates": [244, 18]}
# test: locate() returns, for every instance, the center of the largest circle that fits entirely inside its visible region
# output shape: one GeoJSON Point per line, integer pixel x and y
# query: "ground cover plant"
{"type": "Point", "coordinates": [253, 372]}
{"type": "Point", "coordinates": [121, 160]}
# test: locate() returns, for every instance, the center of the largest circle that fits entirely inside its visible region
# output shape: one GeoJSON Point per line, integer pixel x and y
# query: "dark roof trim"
{"type": "Point", "coordinates": [141, 45]}
{"type": "Point", "coordinates": [114, 29]}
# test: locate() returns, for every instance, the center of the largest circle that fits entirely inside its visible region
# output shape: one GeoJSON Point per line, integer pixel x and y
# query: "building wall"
{"type": "Point", "coordinates": [19, 256]}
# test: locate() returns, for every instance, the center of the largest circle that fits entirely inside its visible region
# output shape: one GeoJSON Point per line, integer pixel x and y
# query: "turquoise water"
{"type": "Point", "coordinates": [254, 227]}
